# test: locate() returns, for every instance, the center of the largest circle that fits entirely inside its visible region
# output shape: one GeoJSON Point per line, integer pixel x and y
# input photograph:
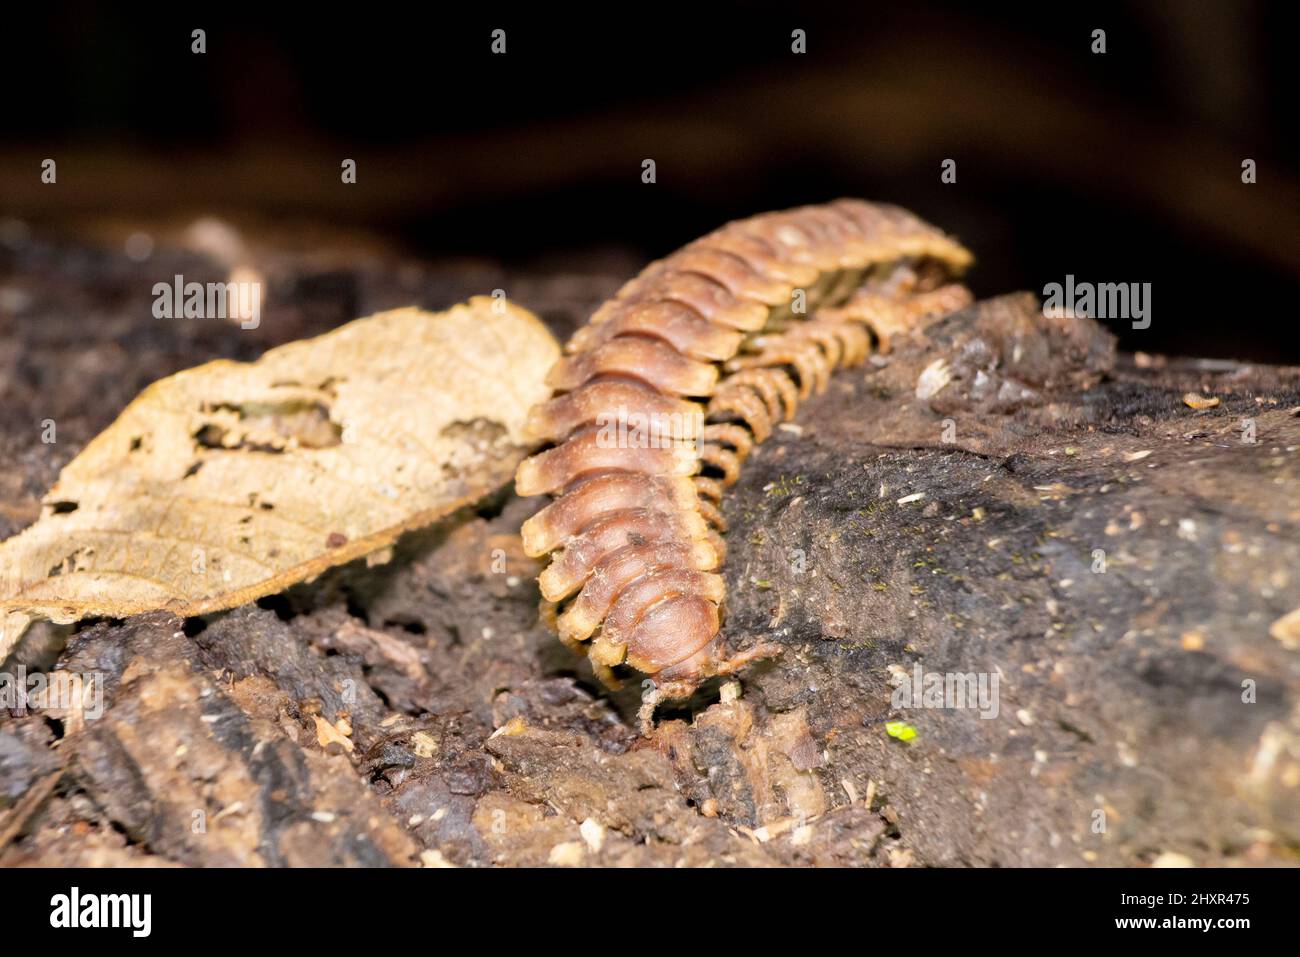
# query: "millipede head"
{"type": "Point", "coordinates": [683, 679]}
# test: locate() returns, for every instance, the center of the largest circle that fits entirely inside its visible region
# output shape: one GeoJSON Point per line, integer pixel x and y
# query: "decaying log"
{"type": "Point", "coordinates": [1004, 497]}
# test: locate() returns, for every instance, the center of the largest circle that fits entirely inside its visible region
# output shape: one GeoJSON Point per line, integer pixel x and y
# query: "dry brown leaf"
{"type": "Point", "coordinates": [231, 481]}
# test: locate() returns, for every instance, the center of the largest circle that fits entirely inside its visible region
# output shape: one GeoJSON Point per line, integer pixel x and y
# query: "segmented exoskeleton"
{"type": "Point", "coordinates": [663, 394]}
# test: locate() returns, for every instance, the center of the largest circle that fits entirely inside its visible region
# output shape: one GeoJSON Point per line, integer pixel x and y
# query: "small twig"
{"type": "Point", "coordinates": [26, 808]}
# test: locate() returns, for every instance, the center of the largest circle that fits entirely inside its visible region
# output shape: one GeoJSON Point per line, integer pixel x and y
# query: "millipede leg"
{"type": "Point", "coordinates": [713, 515]}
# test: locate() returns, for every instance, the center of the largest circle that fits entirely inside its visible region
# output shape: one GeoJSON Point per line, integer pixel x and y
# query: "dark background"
{"type": "Point", "coordinates": [1122, 167]}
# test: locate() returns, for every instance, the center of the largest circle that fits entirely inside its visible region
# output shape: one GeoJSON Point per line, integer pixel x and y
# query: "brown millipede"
{"type": "Point", "coordinates": [662, 395]}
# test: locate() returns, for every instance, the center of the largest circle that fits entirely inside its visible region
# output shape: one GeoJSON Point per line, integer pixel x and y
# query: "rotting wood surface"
{"type": "Point", "coordinates": [417, 712]}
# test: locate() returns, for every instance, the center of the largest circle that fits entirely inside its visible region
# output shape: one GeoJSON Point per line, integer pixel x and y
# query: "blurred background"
{"type": "Point", "coordinates": [1117, 167]}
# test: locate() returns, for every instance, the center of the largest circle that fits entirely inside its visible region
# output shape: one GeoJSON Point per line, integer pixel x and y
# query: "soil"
{"type": "Point", "coordinates": [1042, 513]}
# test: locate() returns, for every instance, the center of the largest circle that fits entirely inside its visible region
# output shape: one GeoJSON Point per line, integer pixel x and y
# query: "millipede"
{"type": "Point", "coordinates": [662, 395]}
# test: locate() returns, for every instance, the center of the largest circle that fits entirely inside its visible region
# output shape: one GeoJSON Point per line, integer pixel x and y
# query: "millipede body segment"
{"type": "Point", "coordinates": [663, 394]}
